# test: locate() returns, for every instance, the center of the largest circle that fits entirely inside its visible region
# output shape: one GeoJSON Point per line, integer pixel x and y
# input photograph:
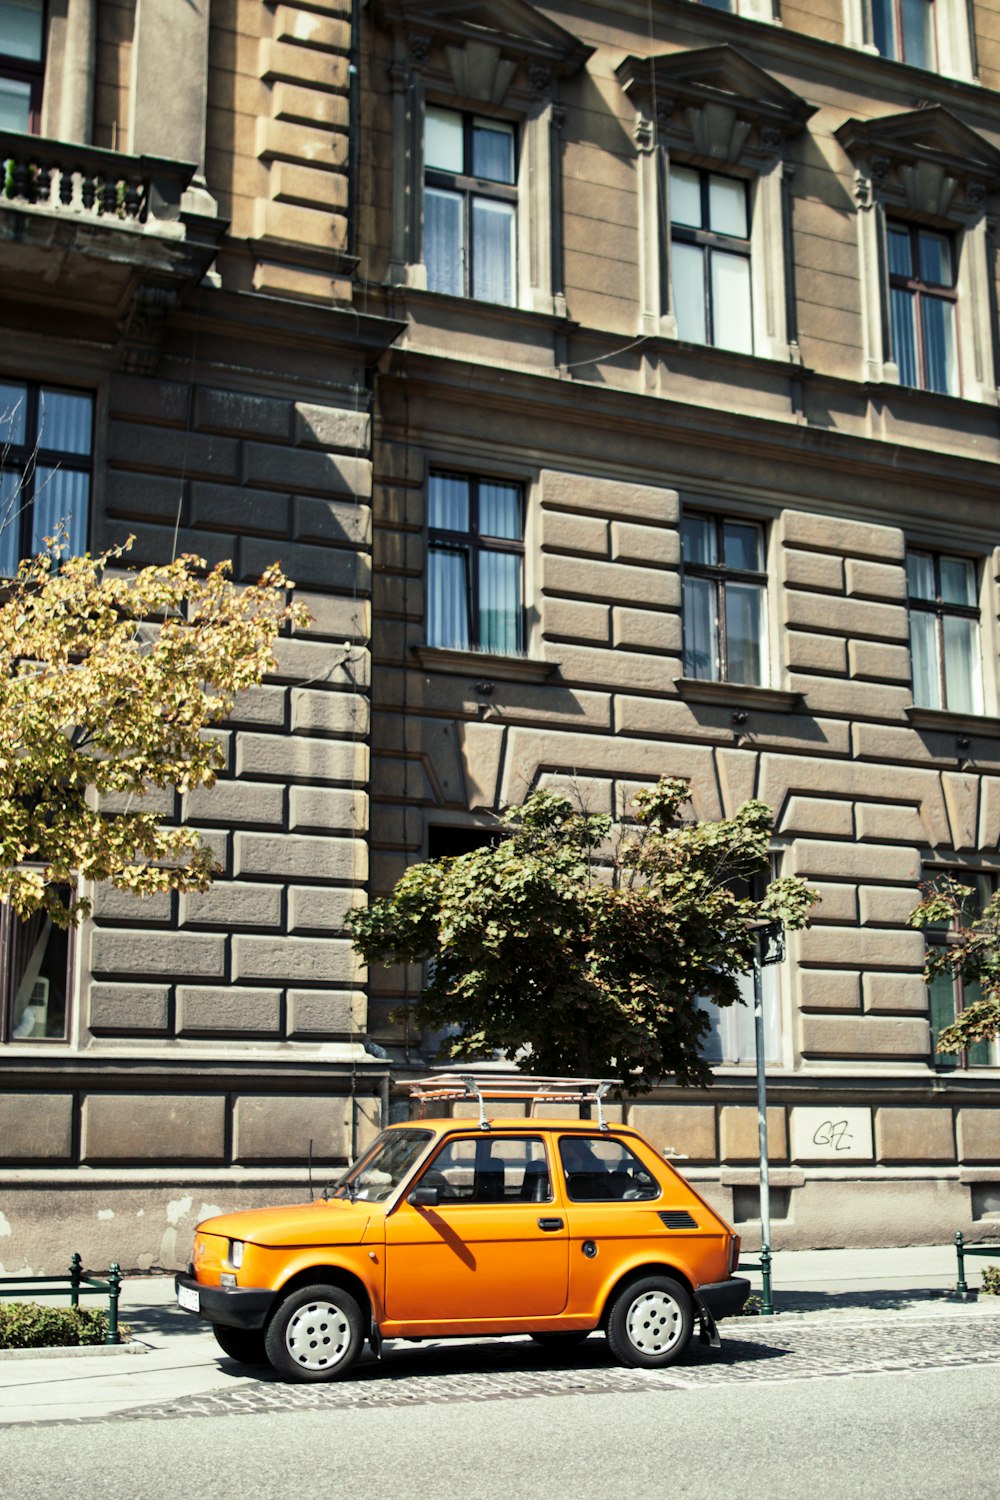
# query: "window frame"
{"type": "Point", "coordinates": [714, 242]}
{"type": "Point", "coordinates": [719, 574]}
{"type": "Point", "coordinates": [940, 937]}
{"type": "Point", "coordinates": [919, 290]}
{"type": "Point", "coordinates": [25, 459]}
{"type": "Point", "coordinates": [30, 71]}
{"type": "Point", "coordinates": [472, 189]}
{"type": "Point", "coordinates": [10, 926]}
{"type": "Point", "coordinates": [471, 545]}
{"type": "Point", "coordinates": [940, 608]}
{"type": "Point", "coordinates": [898, 30]}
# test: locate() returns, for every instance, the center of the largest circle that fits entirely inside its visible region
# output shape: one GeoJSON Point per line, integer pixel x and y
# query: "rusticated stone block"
{"type": "Point", "coordinates": [129, 1008]}
{"type": "Point", "coordinates": [837, 903]}
{"type": "Point", "coordinates": [302, 65]}
{"type": "Point", "coordinates": [610, 497]}
{"type": "Point", "coordinates": [854, 617]}
{"type": "Point", "coordinates": [335, 522]}
{"type": "Point", "coordinates": [328, 809]}
{"type": "Point", "coordinates": [339, 619]}
{"type": "Point", "coordinates": [332, 427]}
{"type": "Point", "coordinates": [321, 908]}
{"type": "Point", "coordinates": [299, 856]}
{"type": "Point", "coordinates": [309, 106]}
{"type": "Point", "coordinates": [164, 401]}
{"type": "Point", "coordinates": [815, 653]}
{"type": "Point", "coordinates": [156, 448]}
{"type": "Point", "coordinates": [245, 1012]}
{"type": "Point", "coordinates": [240, 413]}
{"type": "Point", "coordinates": [827, 815]}
{"type": "Point", "coordinates": [869, 947]}
{"type": "Point", "coordinates": [36, 1127]}
{"type": "Point", "coordinates": [318, 567]}
{"type": "Point", "coordinates": [328, 713]}
{"type": "Point", "coordinates": [739, 1139]}
{"type": "Point", "coordinates": [237, 509]}
{"type": "Point", "coordinates": [296, 960]}
{"type": "Point", "coordinates": [232, 903]}
{"type": "Point", "coordinates": [305, 469]}
{"type": "Point", "coordinates": [326, 33]}
{"type": "Point", "coordinates": [113, 905]}
{"type": "Point", "coordinates": [906, 993]}
{"type": "Point", "coordinates": [885, 821]}
{"type": "Point", "coordinates": [837, 534]}
{"type": "Point", "coordinates": [320, 661]}
{"type": "Point", "coordinates": [834, 989]}
{"type": "Point", "coordinates": [564, 532]}
{"type": "Point", "coordinates": [153, 1127]}
{"type": "Point", "coordinates": [616, 582]}
{"type": "Point", "coordinates": [979, 1135]}
{"type": "Point", "coordinates": [877, 660]}
{"type": "Point", "coordinates": [176, 955]}
{"type": "Point", "coordinates": [574, 619]}
{"type": "Point", "coordinates": [854, 699]}
{"type": "Point", "coordinates": [648, 545]}
{"type": "Point", "coordinates": [646, 630]}
{"type": "Point", "coordinates": [155, 497]}
{"type": "Point", "coordinates": [688, 1129]}
{"type": "Point", "coordinates": [875, 580]}
{"type": "Point", "coordinates": [812, 570]}
{"type": "Point", "coordinates": [855, 861]}
{"type": "Point", "coordinates": [325, 1013]}
{"type": "Point", "coordinates": [273, 755]}
{"type": "Point", "coordinates": [279, 1128]}
{"type": "Point", "coordinates": [235, 802]}
{"type": "Point", "coordinates": [915, 1135]}
{"type": "Point", "coordinates": [865, 1036]}
{"type": "Point", "coordinates": [886, 905]}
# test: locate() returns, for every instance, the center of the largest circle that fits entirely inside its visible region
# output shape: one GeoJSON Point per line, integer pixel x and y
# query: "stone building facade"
{"type": "Point", "coordinates": [619, 384]}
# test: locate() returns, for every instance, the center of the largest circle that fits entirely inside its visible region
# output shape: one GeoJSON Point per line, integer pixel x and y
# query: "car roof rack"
{"type": "Point", "coordinates": [527, 1086]}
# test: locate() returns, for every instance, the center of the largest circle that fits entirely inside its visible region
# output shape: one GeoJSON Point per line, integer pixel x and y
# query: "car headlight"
{"type": "Point", "coordinates": [236, 1253]}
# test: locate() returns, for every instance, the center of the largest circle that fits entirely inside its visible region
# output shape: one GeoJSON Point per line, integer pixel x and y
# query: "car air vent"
{"type": "Point", "coordinates": [677, 1218]}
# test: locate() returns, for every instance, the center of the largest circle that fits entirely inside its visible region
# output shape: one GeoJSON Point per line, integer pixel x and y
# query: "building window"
{"type": "Point", "coordinates": [470, 206]}
{"type": "Point", "coordinates": [710, 259]}
{"type": "Point", "coordinates": [475, 564]}
{"type": "Point", "coordinates": [46, 441]}
{"type": "Point", "coordinates": [905, 31]}
{"type": "Point", "coordinates": [944, 632]}
{"type": "Point", "coordinates": [22, 46]}
{"type": "Point", "coordinates": [725, 624]}
{"type": "Point", "coordinates": [949, 994]}
{"type": "Point", "coordinates": [922, 302]}
{"type": "Point", "coordinates": [733, 1038]}
{"type": "Point", "coordinates": [35, 978]}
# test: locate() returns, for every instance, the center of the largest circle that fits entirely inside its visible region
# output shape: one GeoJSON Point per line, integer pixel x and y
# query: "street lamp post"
{"type": "Point", "coordinates": [770, 949]}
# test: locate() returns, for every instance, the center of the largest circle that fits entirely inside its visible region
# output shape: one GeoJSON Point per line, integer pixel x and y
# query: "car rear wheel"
{"type": "Point", "coordinates": [316, 1334]}
{"type": "Point", "coordinates": [244, 1344]}
{"type": "Point", "coordinates": [650, 1322]}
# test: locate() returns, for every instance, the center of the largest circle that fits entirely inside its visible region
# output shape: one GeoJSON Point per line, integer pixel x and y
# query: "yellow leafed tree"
{"type": "Point", "coordinates": [109, 677]}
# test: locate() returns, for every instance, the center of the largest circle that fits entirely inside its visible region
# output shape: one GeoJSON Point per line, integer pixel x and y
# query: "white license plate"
{"type": "Point", "coordinates": [189, 1298]}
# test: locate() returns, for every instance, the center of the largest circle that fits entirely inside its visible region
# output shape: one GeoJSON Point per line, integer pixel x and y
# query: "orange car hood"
{"type": "Point", "coordinates": [319, 1223]}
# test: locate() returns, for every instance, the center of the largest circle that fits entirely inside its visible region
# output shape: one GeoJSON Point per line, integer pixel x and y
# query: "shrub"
{"type": "Point", "coordinates": [29, 1325]}
{"type": "Point", "coordinates": [751, 1307]}
{"type": "Point", "coordinates": [990, 1286]}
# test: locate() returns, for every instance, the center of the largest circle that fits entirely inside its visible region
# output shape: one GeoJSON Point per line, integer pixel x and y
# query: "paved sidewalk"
{"type": "Point", "coordinates": [174, 1356]}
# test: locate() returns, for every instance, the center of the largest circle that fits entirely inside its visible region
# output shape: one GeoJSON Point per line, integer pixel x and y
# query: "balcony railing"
{"type": "Point", "coordinates": [86, 181]}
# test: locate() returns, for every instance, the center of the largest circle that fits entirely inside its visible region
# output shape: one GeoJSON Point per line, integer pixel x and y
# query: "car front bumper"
{"type": "Point", "coordinates": [232, 1307]}
{"type": "Point", "coordinates": [724, 1299]}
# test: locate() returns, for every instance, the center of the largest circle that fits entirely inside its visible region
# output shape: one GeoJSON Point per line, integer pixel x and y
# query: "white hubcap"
{"type": "Point", "coordinates": [654, 1323]}
{"type": "Point", "coordinates": [318, 1336]}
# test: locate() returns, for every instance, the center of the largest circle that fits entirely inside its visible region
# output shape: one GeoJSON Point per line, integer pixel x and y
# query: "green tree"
{"type": "Point", "coordinates": [108, 679]}
{"type": "Point", "coordinates": [592, 958]}
{"type": "Point", "coordinates": [971, 954]}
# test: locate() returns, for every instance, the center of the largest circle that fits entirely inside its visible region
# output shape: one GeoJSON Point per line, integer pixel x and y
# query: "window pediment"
{"type": "Point", "coordinates": [714, 103]}
{"type": "Point", "coordinates": [926, 162]}
{"type": "Point", "coordinates": [488, 48]}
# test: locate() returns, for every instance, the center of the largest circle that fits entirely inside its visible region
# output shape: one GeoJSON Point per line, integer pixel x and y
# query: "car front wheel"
{"type": "Point", "coordinates": [316, 1334]}
{"type": "Point", "coordinates": [244, 1344]}
{"type": "Point", "coordinates": [650, 1322]}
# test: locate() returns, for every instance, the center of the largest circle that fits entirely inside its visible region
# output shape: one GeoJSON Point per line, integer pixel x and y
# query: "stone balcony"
{"type": "Point", "coordinates": [103, 237]}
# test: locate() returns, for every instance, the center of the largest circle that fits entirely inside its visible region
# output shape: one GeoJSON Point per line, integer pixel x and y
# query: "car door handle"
{"type": "Point", "coordinates": [550, 1225]}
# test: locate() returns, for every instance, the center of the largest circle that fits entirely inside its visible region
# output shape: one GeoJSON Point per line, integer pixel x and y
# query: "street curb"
{"type": "Point", "coordinates": [77, 1351]}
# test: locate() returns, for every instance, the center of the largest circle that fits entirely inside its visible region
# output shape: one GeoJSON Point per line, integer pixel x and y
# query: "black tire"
{"type": "Point", "coordinates": [244, 1344]}
{"type": "Point", "coordinates": [316, 1333]}
{"type": "Point", "coordinates": [650, 1323]}
{"type": "Point", "coordinates": [561, 1340]}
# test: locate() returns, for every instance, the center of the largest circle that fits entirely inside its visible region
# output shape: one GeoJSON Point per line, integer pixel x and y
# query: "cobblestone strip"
{"type": "Point", "coordinates": [520, 1372]}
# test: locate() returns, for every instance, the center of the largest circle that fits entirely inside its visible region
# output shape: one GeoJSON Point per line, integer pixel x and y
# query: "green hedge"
{"type": "Point", "coordinates": [29, 1325]}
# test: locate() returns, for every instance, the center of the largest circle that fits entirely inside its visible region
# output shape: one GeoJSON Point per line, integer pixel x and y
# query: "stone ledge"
{"type": "Point", "coordinates": [484, 664]}
{"type": "Point", "coordinates": [944, 721]}
{"type": "Point", "coordinates": [737, 694]}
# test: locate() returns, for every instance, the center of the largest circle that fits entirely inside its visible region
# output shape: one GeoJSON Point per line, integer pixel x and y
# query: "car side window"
{"type": "Point", "coordinates": [500, 1169]}
{"type": "Point", "coordinates": [599, 1170]}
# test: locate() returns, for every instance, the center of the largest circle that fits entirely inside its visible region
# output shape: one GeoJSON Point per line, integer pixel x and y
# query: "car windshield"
{"type": "Point", "coordinates": [389, 1162]}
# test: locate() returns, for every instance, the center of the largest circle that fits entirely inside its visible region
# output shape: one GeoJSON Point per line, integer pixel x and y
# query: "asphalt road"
{"type": "Point", "coordinates": [898, 1406]}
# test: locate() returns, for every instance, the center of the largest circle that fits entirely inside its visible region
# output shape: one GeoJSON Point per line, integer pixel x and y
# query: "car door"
{"type": "Point", "coordinates": [493, 1246]}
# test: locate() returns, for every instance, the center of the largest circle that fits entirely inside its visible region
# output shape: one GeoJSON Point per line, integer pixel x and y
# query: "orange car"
{"type": "Point", "coordinates": [451, 1227]}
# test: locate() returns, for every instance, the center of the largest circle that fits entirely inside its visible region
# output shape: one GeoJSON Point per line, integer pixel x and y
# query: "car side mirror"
{"type": "Point", "coordinates": [424, 1197]}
